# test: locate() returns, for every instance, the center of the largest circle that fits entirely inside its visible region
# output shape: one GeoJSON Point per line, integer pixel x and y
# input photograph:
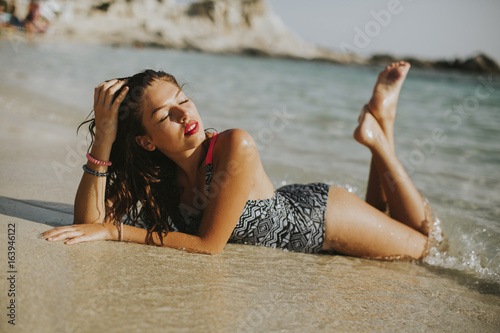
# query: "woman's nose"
{"type": "Point", "coordinates": [181, 114]}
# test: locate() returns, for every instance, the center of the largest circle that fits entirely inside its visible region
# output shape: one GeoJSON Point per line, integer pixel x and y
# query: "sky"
{"type": "Point", "coordinates": [428, 29]}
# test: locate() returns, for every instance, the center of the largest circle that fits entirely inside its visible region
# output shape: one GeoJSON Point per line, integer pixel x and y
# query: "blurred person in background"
{"type": "Point", "coordinates": [14, 19]}
{"type": "Point", "coordinates": [4, 16]}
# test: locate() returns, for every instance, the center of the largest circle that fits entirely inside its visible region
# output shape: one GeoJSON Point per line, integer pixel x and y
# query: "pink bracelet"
{"type": "Point", "coordinates": [93, 160]}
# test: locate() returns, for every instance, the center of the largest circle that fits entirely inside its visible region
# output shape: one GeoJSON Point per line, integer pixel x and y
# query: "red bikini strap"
{"type": "Point", "coordinates": [208, 159]}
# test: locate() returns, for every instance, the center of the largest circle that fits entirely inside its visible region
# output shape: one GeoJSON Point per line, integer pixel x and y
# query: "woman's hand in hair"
{"type": "Point", "coordinates": [106, 109]}
{"type": "Point", "coordinates": [79, 233]}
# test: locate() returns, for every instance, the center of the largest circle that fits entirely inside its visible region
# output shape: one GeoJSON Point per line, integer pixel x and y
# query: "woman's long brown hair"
{"type": "Point", "coordinates": [141, 187]}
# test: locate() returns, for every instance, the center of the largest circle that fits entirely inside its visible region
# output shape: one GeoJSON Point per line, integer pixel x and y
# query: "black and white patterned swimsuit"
{"type": "Point", "coordinates": [292, 219]}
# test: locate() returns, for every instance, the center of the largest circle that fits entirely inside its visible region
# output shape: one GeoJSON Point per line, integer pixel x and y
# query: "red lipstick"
{"type": "Point", "coordinates": [191, 128]}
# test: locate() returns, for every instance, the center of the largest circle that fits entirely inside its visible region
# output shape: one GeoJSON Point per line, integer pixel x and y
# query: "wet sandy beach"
{"type": "Point", "coordinates": [116, 287]}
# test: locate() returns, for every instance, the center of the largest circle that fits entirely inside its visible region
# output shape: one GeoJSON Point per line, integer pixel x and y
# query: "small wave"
{"type": "Point", "coordinates": [475, 264]}
{"type": "Point", "coordinates": [466, 254]}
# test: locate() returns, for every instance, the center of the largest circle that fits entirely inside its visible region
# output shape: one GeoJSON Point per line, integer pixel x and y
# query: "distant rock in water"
{"type": "Point", "coordinates": [480, 63]}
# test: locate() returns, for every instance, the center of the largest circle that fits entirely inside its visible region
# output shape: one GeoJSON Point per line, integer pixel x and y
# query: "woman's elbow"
{"type": "Point", "coordinates": [212, 248]}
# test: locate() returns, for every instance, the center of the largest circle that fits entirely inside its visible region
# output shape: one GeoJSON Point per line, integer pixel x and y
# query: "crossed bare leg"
{"type": "Point", "coordinates": [385, 97]}
{"type": "Point", "coordinates": [383, 105]}
{"type": "Point", "coordinates": [359, 228]}
{"type": "Point", "coordinates": [388, 181]}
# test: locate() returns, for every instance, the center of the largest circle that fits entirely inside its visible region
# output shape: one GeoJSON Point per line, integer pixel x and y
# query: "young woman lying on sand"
{"type": "Point", "coordinates": [178, 186]}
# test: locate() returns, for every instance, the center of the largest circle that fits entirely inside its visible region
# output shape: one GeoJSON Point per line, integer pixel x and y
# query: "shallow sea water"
{"type": "Point", "coordinates": [302, 115]}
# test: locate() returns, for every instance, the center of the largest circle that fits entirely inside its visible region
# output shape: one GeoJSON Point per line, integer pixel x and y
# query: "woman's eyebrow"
{"type": "Point", "coordinates": [161, 107]}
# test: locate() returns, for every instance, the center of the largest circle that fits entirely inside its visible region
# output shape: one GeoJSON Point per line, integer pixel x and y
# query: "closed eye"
{"type": "Point", "coordinates": [168, 114]}
{"type": "Point", "coordinates": [162, 119]}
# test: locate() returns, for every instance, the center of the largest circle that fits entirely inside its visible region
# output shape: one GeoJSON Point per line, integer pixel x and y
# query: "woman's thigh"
{"type": "Point", "coordinates": [355, 228]}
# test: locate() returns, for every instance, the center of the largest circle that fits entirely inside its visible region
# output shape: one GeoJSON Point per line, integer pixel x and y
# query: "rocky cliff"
{"type": "Point", "coordinates": [218, 26]}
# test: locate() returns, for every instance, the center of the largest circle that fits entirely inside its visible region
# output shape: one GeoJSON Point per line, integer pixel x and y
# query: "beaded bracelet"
{"type": "Point", "coordinates": [95, 173]}
{"type": "Point", "coordinates": [93, 160]}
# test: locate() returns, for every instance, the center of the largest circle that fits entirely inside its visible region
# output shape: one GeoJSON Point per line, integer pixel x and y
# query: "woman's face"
{"type": "Point", "coordinates": [172, 123]}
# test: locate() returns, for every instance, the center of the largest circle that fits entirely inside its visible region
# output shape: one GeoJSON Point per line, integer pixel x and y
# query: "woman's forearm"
{"type": "Point", "coordinates": [90, 197]}
{"type": "Point", "coordinates": [175, 240]}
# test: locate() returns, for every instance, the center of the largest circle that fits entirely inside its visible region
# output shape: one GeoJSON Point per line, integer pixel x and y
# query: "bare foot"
{"type": "Point", "coordinates": [386, 92]}
{"type": "Point", "coordinates": [369, 133]}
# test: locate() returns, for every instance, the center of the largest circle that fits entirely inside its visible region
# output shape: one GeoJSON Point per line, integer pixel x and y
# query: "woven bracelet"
{"type": "Point", "coordinates": [121, 231]}
{"type": "Point", "coordinates": [95, 173]}
{"type": "Point", "coordinates": [119, 228]}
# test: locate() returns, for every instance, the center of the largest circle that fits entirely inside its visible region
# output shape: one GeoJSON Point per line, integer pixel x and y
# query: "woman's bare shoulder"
{"type": "Point", "coordinates": [235, 138]}
{"type": "Point", "coordinates": [234, 142]}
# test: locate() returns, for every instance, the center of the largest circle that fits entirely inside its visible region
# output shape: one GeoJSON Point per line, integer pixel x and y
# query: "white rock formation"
{"type": "Point", "coordinates": [220, 26]}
